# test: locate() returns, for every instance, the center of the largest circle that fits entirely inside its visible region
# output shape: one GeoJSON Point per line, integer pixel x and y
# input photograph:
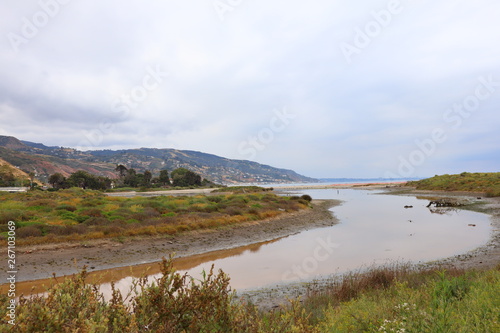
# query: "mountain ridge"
{"type": "Point", "coordinates": [45, 160]}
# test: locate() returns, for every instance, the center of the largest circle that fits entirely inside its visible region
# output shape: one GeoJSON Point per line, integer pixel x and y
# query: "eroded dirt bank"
{"type": "Point", "coordinates": [39, 262]}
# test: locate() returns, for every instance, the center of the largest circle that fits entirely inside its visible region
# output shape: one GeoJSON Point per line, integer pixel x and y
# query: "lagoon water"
{"type": "Point", "coordinates": [373, 228]}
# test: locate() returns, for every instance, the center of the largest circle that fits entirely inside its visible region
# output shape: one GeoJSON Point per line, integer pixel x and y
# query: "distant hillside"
{"type": "Point", "coordinates": [10, 175]}
{"type": "Point", "coordinates": [46, 160]}
{"type": "Point", "coordinates": [11, 142]}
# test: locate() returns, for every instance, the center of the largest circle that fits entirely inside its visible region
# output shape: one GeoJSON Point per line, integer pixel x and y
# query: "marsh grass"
{"type": "Point", "coordinates": [407, 299]}
{"type": "Point", "coordinates": [488, 183]}
{"type": "Point", "coordinates": [78, 215]}
{"type": "Point", "coordinates": [172, 303]}
{"type": "Point", "coordinates": [400, 298]}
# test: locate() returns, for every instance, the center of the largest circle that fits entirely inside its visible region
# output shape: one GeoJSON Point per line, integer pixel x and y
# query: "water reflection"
{"type": "Point", "coordinates": [124, 276]}
{"type": "Point", "coordinates": [373, 229]}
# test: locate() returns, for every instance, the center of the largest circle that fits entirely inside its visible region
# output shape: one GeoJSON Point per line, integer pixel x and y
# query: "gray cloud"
{"type": "Point", "coordinates": [226, 78]}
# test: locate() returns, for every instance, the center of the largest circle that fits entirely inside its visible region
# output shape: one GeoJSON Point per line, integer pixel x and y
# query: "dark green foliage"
{"type": "Point", "coordinates": [122, 170]}
{"type": "Point", "coordinates": [131, 178]}
{"type": "Point", "coordinates": [57, 181]}
{"type": "Point", "coordinates": [81, 179]}
{"type": "Point", "coordinates": [449, 289]}
{"type": "Point", "coordinates": [306, 197]}
{"type": "Point", "coordinates": [185, 178]}
{"type": "Point", "coordinates": [164, 178]}
{"type": "Point", "coordinates": [244, 189]}
{"type": "Point", "coordinates": [146, 179]}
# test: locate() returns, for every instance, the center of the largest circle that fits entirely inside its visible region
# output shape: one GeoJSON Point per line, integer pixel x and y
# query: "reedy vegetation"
{"type": "Point", "coordinates": [390, 299]}
{"type": "Point", "coordinates": [488, 183]}
{"type": "Point", "coordinates": [76, 214]}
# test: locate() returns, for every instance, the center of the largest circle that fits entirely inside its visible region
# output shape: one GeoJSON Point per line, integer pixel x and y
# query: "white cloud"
{"type": "Point", "coordinates": [226, 78]}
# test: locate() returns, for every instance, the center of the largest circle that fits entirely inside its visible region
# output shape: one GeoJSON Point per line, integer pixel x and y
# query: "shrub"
{"type": "Point", "coordinates": [216, 199]}
{"type": "Point", "coordinates": [306, 197]}
{"type": "Point", "coordinates": [42, 202]}
{"type": "Point", "coordinates": [67, 207]}
{"type": "Point", "coordinates": [67, 230]}
{"type": "Point", "coordinates": [29, 231]}
{"type": "Point", "coordinates": [97, 221]}
{"type": "Point", "coordinates": [93, 212]}
{"type": "Point", "coordinates": [233, 211]}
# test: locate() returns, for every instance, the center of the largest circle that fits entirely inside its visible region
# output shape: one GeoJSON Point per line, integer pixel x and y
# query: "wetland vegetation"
{"type": "Point", "coordinates": [75, 214]}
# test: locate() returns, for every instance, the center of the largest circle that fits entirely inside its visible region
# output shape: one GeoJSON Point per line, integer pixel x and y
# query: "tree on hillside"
{"type": "Point", "coordinates": [85, 180]}
{"type": "Point", "coordinates": [102, 183]}
{"type": "Point", "coordinates": [183, 177]}
{"type": "Point", "coordinates": [32, 178]}
{"type": "Point", "coordinates": [79, 178]}
{"type": "Point", "coordinates": [146, 179]}
{"type": "Point", "coordinates": [57, 180]}
{"type": "Point", "coordinates": [164, 179]}
{"type": "Point", "coordinates": [131, 178]}
{"type": "Point", "coordinates": [122, 170]}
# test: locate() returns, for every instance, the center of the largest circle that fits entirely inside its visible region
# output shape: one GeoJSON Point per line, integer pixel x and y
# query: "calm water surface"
{"type": "Point", "coordinates": [373, 229]}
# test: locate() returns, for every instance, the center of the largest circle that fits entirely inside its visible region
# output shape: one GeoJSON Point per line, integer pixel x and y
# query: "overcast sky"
{"type": "Point", "coordinates": [326, 88]}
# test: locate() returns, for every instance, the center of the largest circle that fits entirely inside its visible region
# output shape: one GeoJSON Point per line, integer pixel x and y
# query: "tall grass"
{"type": "Point", "coordinates": [172, 303]}
{"type": "Point", "coordinates": [388, 299]}
{"type": "Point", "coordinates": [440, 302]}
{"type": "Point", "coordinates": [489, 183]}
{"type": "Point", "coordinates": [75, 215]}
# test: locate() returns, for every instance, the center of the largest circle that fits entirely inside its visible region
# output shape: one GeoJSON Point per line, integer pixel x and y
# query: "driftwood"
{"type": "Point", "coordinates": [445, 203]}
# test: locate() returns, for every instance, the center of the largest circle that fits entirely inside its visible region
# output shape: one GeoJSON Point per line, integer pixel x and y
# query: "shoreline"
{"type": "Point", "coordinates": [483, 257]}
{"type": "Point", "coordinates": [39, 262]}
{"type": "Point", "coordinates": [486, 256]}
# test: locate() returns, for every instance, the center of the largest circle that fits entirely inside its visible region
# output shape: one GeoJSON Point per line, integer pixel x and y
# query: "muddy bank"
{"type": "Point", "coordinates": [486, 256]}
{"type": "Point", "coordinates": [482, 258]}
{"type": "Point", "coordinates": [39, 262]}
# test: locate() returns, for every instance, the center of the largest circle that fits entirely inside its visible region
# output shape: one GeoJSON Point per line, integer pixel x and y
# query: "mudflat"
{"type": "Point", "coordinates": [42, 261]}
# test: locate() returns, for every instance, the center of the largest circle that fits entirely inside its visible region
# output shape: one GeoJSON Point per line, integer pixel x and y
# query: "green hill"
{"type": "Point", "coordinates": [488, 183]}
{"type": "Point", "coordinates": [48, 160]}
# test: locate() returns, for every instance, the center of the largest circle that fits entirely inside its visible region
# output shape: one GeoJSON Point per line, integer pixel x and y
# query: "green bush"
{"type": "Point", "coordinates": [172, 303]}
{"type": "Point", "coordinates": [69, 208]}
{"type": "Point", "coordinates": [306, 197]}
